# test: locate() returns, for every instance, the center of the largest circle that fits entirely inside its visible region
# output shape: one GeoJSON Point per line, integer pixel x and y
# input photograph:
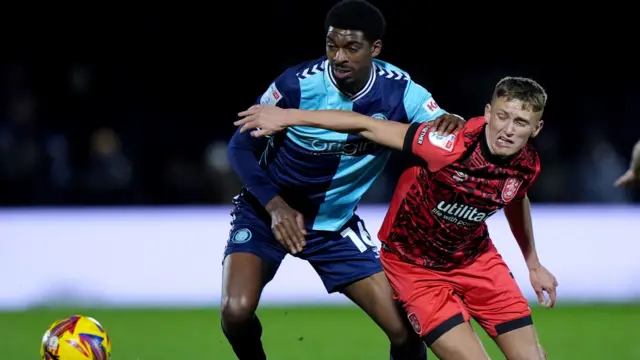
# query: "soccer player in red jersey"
{"type": "Point", "coordinates": [436, 249]}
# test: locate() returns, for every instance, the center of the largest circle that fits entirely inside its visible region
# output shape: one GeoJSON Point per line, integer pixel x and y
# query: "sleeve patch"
{"type": "Point", "coordinates": [444, 142]}
{"type": "Point", "coordinates": [271, 96]}
{"type": "Point", "coordinates": [423, 132]}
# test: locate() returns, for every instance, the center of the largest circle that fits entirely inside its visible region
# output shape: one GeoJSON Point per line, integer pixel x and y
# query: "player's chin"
{"type": "Point", "coordinates": [505, 151]}
{"type": "Point", "coordinates": [503, 148]}
{"type": "Point", "coordinates": [344, 79]}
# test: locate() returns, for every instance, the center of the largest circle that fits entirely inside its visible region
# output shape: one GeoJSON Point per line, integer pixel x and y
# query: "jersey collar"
{"type": "Point", "coordinates": [360, 94]}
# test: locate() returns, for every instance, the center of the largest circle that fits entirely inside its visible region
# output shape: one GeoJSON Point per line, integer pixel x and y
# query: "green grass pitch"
{"type": "Point", "coordinates": [586, 332]}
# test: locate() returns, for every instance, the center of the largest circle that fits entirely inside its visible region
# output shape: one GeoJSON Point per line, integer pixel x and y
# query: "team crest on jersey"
{"type": "Point", "coordinates": [443, 142]}
{"type": "Point", "coordinates": [271, 96]}
{"type": "Point", "coordinates": [510, 189]}
{"type": "Point", "coordinates": [415, 323]}
{"type": "Point", "coordinates": [379, 116]}
{"type": "Point", "coordinates": [241, 236]}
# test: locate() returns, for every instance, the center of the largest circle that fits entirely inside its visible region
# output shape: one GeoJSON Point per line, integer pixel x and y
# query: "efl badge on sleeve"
{"type": "Point", "coordinates": [271, 96]}
{"type": "Point", "coordinates": [443, 142]}
{"type": "Point", "coordinates": [510, 189]}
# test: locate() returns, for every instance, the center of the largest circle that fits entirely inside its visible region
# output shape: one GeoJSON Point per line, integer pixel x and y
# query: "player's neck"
{"type": "Point", "coordinates": [488, 152]}
{"type": "Point", "coordinates": [353, 88]}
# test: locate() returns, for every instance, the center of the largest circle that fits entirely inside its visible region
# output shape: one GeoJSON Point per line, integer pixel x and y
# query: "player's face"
{"type": "Point", "coordinates": [510, 125]}
{"type": "Point", "coordinates": [350, 55]}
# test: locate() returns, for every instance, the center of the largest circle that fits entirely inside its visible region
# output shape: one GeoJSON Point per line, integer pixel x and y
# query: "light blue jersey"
{"type": "Point", "coordinates": [322, 173]}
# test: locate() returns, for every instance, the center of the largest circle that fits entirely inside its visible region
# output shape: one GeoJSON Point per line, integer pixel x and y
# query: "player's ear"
{"type": "Point", "coordinates": [538, 128]}
{"type": "Point", "coordinates": [376, 48]}
{"type": "Point", "coordinates": [487, 112]}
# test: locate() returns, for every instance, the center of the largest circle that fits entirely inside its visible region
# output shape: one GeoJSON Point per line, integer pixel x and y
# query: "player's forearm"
{"type": "Point", "coordinates": [383, 132]}
{"type": "Point", "coordinates": [243, 160]}
{"type": "Point", "coordinates": [635, 158]}
{"type": "Point", "coordinates": [518, 215]}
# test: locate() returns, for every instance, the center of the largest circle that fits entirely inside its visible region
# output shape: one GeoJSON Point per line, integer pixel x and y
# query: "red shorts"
{"type": "Point", "coordinates": [437, 301]}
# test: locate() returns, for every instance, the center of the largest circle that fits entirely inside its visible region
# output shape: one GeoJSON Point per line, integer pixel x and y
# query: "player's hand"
{"type": "Point", "coordinates": [263, 120]}
{"type": "Point", "coordinates": [287, 225]}
{"type": "Point", "coordinates": [543, 281]}
{"type": "Point", "coordinates": [627, 179]}
{"type": "Point", "coordinates": [447, 124]}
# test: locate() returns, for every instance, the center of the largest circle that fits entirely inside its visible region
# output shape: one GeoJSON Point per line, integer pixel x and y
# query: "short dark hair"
{"type": "Point", "coordinates": [524, 89]}
{"type": "Point", "coordinates": [357, 15]}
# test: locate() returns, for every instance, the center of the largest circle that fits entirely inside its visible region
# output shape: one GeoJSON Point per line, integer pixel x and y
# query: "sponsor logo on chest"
{"type": "Point", "coordinates": [461, 214]}
{"type": "Point", "coordinates": [357, 147]}
{"type": "Point", "coordinates": [349, 147]}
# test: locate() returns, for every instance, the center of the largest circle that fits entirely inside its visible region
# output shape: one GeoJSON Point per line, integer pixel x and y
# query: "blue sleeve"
{"type": "Point", "coordinates": [419, 104]}
{"type": "Point", "coordinates": [245, 151]}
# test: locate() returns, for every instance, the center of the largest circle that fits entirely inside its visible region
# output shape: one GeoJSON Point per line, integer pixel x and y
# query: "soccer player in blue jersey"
{"type": "Point", "coordinates": [322, 175]}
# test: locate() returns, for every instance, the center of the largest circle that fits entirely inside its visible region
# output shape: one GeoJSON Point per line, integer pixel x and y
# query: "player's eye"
{"type": "Point", "coordinates": [354, 49]}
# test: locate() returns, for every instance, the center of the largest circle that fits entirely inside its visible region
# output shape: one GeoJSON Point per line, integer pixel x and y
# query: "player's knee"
{"type": "Point", "coordinates": [375, 296]}
{"type": "Point", "coordinates": [399, 335]}
{"type": "Point", "coordinates": [238, 309]}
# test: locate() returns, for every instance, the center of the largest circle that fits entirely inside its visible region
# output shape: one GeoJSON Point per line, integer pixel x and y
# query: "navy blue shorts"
{"type": "Point", "coordinates": [340, 258]}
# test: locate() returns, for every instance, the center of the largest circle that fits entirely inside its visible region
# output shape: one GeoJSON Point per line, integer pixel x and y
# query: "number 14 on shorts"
{"type": "Point", "coordinates": [361, 239]}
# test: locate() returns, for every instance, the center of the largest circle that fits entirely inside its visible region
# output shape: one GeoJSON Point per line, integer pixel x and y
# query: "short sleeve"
{"type": "Point", "coordinates": [438, 151]}
{"type": "Point", "coordinates": [522, 192]}
{"type": "Point", "coordinates": [419, 104]}
{"type": "Point", "coordinates": [284, 92]}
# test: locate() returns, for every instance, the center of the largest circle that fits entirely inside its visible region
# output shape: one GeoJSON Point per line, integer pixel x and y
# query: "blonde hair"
{"type": "Point", "coordinates": [524, 89]}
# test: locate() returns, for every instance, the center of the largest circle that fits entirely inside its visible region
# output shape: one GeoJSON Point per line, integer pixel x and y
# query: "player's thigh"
{"type": "Point", "coordinates": [521, 344]}
{"type": "Point", "coordinates": [492, 296]}
{"type": "Point", "coordinates": [428, 298]}
{"type": "Point", "coordinates": [459, 343]}
{"type": "Point", "coordinates": [252, 256]}
{"type": "Point", "coordinates": [348, 261]}
{"type": "Point", "coordinates": [343, 257]}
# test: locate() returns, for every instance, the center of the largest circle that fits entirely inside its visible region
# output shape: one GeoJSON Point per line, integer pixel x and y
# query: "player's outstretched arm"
{"type": "Point", "coordinates": [635, 162]}
{"type": "Point", "coordinates": [267, 120]}
{"type": "Point", "coordinates": [633, 174]}
{"type": "Point", "coordinates": [383, 132]}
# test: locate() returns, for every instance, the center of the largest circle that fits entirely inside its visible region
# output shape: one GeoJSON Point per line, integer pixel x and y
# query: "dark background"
{"type": "Point", "coordinates": [124, 106]}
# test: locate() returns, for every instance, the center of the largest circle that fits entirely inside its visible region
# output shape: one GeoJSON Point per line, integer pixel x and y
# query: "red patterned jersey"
{"type": "Point", "coordinates": [437, 215]}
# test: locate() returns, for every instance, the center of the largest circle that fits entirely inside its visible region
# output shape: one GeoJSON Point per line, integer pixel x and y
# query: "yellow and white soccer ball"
{"type": "Point", "coordinates": [76, 338]}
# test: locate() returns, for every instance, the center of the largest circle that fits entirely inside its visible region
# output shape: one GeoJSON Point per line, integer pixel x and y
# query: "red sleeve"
{"type": "Point", "coordinates": [438, 151]}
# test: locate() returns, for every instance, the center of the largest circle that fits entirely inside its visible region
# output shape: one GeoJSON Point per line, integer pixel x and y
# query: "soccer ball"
{"type": "Point", "coordinates": [75, 338]}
